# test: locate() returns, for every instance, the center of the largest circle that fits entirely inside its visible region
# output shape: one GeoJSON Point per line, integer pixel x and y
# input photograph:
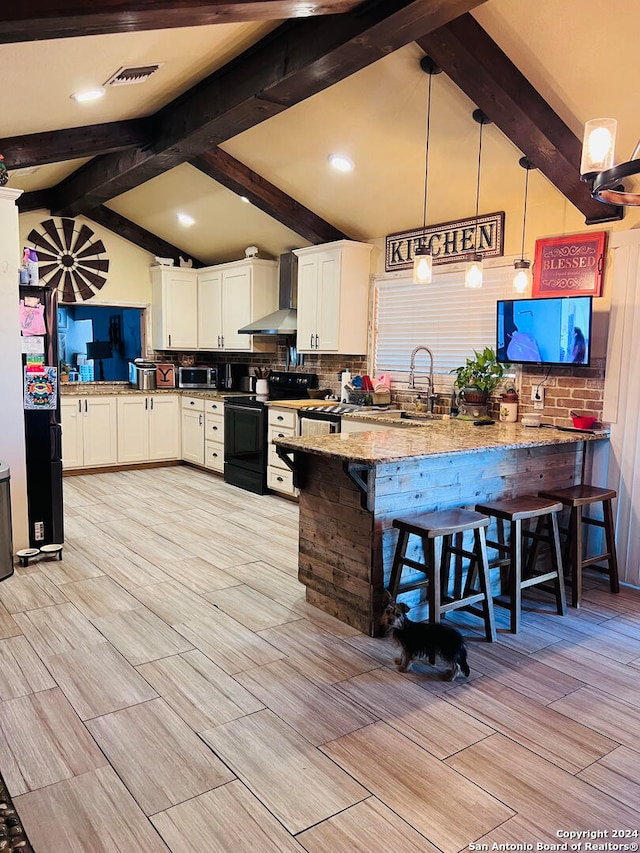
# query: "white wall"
{"type": "Point", "coordinates": [12, 447]}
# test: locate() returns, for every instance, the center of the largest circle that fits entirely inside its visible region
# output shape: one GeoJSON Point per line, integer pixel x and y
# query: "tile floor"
{"type": "Point", "coordinates": [166, 687]}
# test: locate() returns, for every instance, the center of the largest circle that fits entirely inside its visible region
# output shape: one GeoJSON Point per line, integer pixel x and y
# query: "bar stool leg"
{"type": "Point", "coordinates": [396, 568]}
{"type": "Point", "coordinates": [556, 562]}
{"type": "Point", "coordinates": [433, 589]}
{"type": "Point", "coordinates": [482, 565]}
{"type": "Point", "coordinates": [575, 533]}
{"type": "Point", "coordinates": [515, 576]}
{"type": "Point", "coordinates": [614, 582]}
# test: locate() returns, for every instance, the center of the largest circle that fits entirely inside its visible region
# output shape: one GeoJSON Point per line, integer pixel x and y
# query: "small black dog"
{"type": "Point", "coordinates": [424, 639]}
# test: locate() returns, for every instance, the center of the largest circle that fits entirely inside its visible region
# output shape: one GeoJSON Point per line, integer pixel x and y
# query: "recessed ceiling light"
{"type": "Point", "coordinates": [341, 162]}
{"type": "Point", "coordinates": [88, 95]}
{"type": "Point", "coordinates": [244, 199]}
{"type": "Point", "coordinates": [186, 220]}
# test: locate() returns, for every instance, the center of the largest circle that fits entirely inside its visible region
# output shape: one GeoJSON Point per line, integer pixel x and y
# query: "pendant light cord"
{"type": "Point", "coordinates": [478, 185]}
{"type": "Point", "coordinates": [524, 215]}
{"type": "Point", "coordinates": [426, 163]}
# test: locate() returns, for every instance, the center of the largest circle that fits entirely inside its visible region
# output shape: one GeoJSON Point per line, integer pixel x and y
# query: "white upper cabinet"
{"type": "Point", "coordinates": [203, 309]}
{"type": "Point", "coordinates": [333, 297]}
{"type": "Point", "coordinates": [174, 294]}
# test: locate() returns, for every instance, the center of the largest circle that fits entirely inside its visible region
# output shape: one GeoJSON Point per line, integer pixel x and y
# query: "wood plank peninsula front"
{"type": "Point", "coordinates": [354, 484]}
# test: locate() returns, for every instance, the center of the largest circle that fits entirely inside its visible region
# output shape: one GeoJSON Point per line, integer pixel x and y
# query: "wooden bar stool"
{"type": "Point", "coordinates": [577, 497]}
{"type": "Point", "coordinates": [519, 577]}
{"type": "Point", "coordinates": [446, 524]}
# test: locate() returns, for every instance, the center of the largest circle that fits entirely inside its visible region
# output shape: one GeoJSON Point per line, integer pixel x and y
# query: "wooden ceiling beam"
{"type": "Point", "coordinates": [56, 146]}
{"type": "Point", "coordinates": [240, 179]}
{"type": "Point", "coordinates": [475, 63]}
{"type": "Point", "coordinates": [32, 20]}
{"type": "Point", "coordinates": [297, 60]}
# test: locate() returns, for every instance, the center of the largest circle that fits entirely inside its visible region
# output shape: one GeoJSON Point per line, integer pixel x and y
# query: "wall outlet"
{"type": "Point", "coordinates": [38, 531]}
{"type": "Point", "coordinates": [537, 395]}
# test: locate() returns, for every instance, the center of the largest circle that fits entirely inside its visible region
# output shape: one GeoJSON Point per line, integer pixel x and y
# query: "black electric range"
{"type": "Point", "coordinates": [245, 429]}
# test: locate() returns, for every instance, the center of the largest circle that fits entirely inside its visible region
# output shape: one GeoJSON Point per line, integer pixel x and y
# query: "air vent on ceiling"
{"type": "Point", "coordinates": [132, 74]}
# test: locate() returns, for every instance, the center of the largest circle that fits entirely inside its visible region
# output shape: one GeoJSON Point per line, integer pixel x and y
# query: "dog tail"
{"type": "Point", "coordinates": [462, 662]}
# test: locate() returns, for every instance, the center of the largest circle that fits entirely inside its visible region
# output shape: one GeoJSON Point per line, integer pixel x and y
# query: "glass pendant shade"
{"type": "Point", "coordinates": [473, 273]}
{"type": "Point", "coordinates": [422, 265]}
{"type": "Point", "coordinates": [598, 145]}
{"type": "Point", "coordinates": [522, 275]}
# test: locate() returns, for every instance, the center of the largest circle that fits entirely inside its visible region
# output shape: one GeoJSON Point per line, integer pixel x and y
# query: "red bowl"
{"type": "Point", "coordinates": [585, 422]}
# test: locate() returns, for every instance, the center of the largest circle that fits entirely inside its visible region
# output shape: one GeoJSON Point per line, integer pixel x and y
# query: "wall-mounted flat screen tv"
{"type": "Point", "coordinates": [552, 330]}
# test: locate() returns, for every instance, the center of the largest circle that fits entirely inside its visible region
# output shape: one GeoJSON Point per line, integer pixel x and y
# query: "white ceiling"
{"type": "Point", "coordinates": [581, 64]}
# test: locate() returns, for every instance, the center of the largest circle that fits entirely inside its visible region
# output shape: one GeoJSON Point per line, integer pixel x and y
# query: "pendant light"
{"type": "Point", "coordinates": [473, 267]}
{"type": "Point", "coordinates": [422, 260]}
{"type": "Point", "coordinates": [523, 267]}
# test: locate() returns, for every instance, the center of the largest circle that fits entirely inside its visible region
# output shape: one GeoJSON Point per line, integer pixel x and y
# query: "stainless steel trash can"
{"type": "Point", "coordinates": [6, 539]}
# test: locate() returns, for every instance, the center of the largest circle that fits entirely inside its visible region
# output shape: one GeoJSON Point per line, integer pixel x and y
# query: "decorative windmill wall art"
{"type": "Point", "coordinates": [70, 258]}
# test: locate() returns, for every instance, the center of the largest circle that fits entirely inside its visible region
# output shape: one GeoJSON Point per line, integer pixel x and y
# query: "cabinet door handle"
{"type": "Point", "coordinates": [280, 479]}
{"type": "Point", "coordinates": [200, 420]}
{"type": "Point", "coordinates": [280, 435]}
{"type": "Point", "coordinates": [317, 344]}
{"type": "Point", "coordinates": [169, 340]}
{"type": "Point", "coordinates": [86, 406]}
{"type": "Point", "coordinates": [215, 455]}
{"type": "Point", "coordinates": [192, 402]}
{"type": "Point", "coordinates": [311, 341]}
{"type": "Point", "coordinates": [218, 340]}
{"type": "Point", "coordinates": [222, 339]}
{"type": "Point", "coordinates": [80, 406]}
{"type": "Point", "coordinates": [280, 418]}
{"type": "Point", "coordinates": [146, 402]}
{"type": "Point", "coordinates": [214, 428]}
{"type": "Point", "coordinates": [152, 402]}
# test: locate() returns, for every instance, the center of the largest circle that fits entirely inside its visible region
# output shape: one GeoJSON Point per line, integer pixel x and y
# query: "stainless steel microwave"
{"type": "Point", "coordinates": [197, 377]}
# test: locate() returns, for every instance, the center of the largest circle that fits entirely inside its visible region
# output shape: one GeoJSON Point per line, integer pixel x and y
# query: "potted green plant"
{"type": "Point", "coordinates": [478, 378]}
{"type": "Point", "coordinates": [64, 371]}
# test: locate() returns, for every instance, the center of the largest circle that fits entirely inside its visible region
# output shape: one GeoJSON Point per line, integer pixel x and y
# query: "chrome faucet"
{"type": "Point", "coordinates": [412, 370]}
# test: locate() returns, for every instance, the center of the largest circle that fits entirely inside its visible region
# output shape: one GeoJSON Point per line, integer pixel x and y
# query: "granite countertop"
{"type": "Point", "coordinates": [435, 438]}
{"type": "Point", "coordinates": [109, 389]}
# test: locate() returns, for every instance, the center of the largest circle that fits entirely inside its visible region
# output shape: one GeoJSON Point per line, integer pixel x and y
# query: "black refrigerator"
{"type": "Point", "coordinates": [43, 433]}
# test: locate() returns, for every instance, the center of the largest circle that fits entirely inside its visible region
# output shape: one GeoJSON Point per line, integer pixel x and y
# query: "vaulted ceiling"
{"type": "Point", "coordinates": [251, 97]}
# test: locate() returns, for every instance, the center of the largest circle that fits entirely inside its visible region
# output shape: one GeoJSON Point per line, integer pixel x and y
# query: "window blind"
{"type": "Point", "coordinates": [450, 319]}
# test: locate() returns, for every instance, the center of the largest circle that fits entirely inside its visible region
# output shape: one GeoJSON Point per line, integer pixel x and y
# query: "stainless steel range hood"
{"type": "Point", "coordinates": [284, 321]}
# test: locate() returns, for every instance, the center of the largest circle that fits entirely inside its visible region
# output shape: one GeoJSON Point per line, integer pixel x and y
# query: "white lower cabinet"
{"type": "Point", "coordinates": [203, 432]}
{"type": "Point", "coordinates": [283, 423]}
{"type": "Point", "coordinates": [214, 441]}
{"type": "Point", "coordinates": [148, 428]}
{"type": "Point", "coordinates": [89, 431]}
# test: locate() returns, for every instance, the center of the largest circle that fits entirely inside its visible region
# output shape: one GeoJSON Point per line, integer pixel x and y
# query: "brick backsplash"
{"type": "Point", "coordinates": [565, 388]}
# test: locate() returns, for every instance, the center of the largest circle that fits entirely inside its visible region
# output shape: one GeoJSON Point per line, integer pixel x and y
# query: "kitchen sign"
{"type": "Point", "coordinates": [450, 242]}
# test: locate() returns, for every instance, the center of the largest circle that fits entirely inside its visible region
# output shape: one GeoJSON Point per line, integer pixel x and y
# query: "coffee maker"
{"type": "Point", "coordinates": [230, 376]}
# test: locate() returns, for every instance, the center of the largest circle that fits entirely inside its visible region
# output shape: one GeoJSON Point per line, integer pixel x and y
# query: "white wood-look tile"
{"type": "Point", "coordinates": [99, 596]}
{"type": "Point", "coordinates": [58, 629]}
{"type": "Point", "coordinates": [228, 819]}
{"type": "Point", "coordinates": [198, 575]}
{"type": "Point", "coordinates": [270, 581]}
{"type": "Point", "coordinates": [198, 690]}
{"type": "Point", "coordinates": [593, 669]}
{"type": "Point", "coordinates": [228, 643]}
{"type": "Point", "coordinates": [419, 715]}
{"type": "Point", "coordinates": [29, 592]}
{"type": "Point", "coordinates": [140, 636]}
{"type": "Point", "coordinates": [134, 571]}
{"type": "Point", "coordinates": [42, 741]}
{"type": "Point", "coordinates": [628, 625]}
{"type": "Point", "coordinates": [612, 717]}
{"type": "Point", "coordinates": [617, 775]}
{"type": "Point", "coordinates": [544, 731]}
{"type": "Point", "coordinates": [174, 603]}
{"type": "Point", "coordinates": [21, 670]}
{"type": "Point", "coordinates": [251, 608]}
{"type": "Point", "coordinates": [531, 786]}
{"type": "Point", "coordinates": [92, 813]}
{"type": "Point", "coordinates": [599, 638]}
{"type": "Point", "coordinates": [98, 680]}
{"type": "Point", "coordinates": [8, 626]}
{"type": "Point", "coordinates": [320, 656]}
{"type": "Point", "coordinates": [365, 827]}
{"type": "Point", "coordinates": [289, 776]}
{"type": "Point", "coordinates": [158, 757]}
{"type": "Point", "coordinates": [319, 714]}
{"type": "Point", "coordinates": [422, 790]}
{"type": "Point", "coordinates": [74, 566]}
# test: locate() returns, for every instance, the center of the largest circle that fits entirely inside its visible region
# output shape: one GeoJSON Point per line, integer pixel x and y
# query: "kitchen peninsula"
{"type": "Point", "coordinates": [354, 484]}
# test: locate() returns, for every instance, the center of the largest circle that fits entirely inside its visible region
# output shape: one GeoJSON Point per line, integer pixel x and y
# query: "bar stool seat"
{"type": "Point", "coordinates": [577, 497]}
{"type": "Point", "coordinates": [435, 570]}
{"type": "Point", "coordinates": [523, 574]}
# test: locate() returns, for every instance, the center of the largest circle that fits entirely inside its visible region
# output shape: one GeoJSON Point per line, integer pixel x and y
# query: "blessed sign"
{"type": "Point", "coordinates": [449, 242]}
{"type": "Point", "coordinates": [569, 266]}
